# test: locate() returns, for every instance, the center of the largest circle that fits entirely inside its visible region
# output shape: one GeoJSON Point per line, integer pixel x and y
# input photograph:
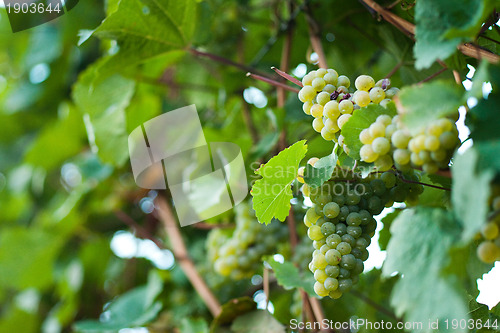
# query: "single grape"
{"type": "Point", "coordinates": [314, 233]}
{"type": "Point", "coordinates": [306, 107]}
{"type": "Point", "coordinates": [307, 93]}
{"type": "Point", "coordinates": [320, 72]}
{"type": "Point", "coordinates": [345, 107]}
{"type": "Point", "coordinates": [327, 228]}
{"type": "Point", "coordinates": [343, 81]}
{"type": "Point", "coordinates": [381, 146]}
{"type": "Point", "coordinates": [400, 139]}
{"type": "Point", "coordinates": [323, 97]}
{"type": "Point", "coordinates": [377, 95]}
{"type": "Point", "coordinates": [329, 88]}
{"type": "Point", "coordinates": [401, 156]}
{"type": "Point", "coordinates": [333, 240]}
{"type": "Point", "coordinates": [331, 210]}
{"type": "Point", "coordinates": [354, 219]}
{"type": "Point", "coordinates": [307, 79]}
{"type": "Point", "coordinates": [342, 120]}
{"type": "Point", "coordinates": [318, 84]}
{"type": "Point", "coordinates": [389, 179]}
{"type": "Point", "coordinates": [377, 130]}
{"type": "Point", "coordinates": [320, 275]}
{"type": "Point", "coordinates": [344, 285]}
{"type": "Point", "coordinates": [390, 93]}
{"type": "Point", "coordinates": [318, 124]}
{"type": "Point", "coordinates": [331, 78]}
{"type": "Point", "coordinates": [320, 289]}
{"type": "Point", "coordinates": [349, 239]}
{"type": "Point", "coordinates": [384, 163]}
{"type": "Point", "coordinates": [331, 284]}
{"type": "Point", "coordinates": [365, 137]}
{"type": "Point", "coordinates": [488, 252]}
{"type": "Point", "coordinates": [344, 248]}
{"type": "Point", "coordinates": [332, 270]}
{"type": "Point", "coordinates": [316, 110]}
{"type": "Point", "coordinates": [362, 98]}
{"type": "Point", "coordinates": [348, 261]}
{"type": "Point", "coordinates": [354, 231]}
{"type": "Point", "coordinates": [327, 134]}
{"type": "Point", "coordinates": [364, 82]}
{"type": "Point", "coordinates": [331, 110]}
{"type": "Point", "coordinates": [367, 154]}
{"type": "Point", "coordinates": [431, 143]}
{"type": "Point", "coordinates": [319, 260]}
{"type": "Point", "coordinates": [336, 294]}
{"type": "Point", "coordinates": [333, 257]}
{"type": "Point", "coordinates": [448, 140]}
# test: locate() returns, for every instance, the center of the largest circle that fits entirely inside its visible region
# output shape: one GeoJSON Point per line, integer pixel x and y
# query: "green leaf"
{"type": "Point", "coordinates": [134, 308]}
{"type": "Point", "coordinates": [272, 193]}
{"type": "Point", "coordinates": [442, 25]}
{"type": "Point", "coordinates": [289, 277]}
{"type": "Point", "coordinates": [322, 170]}
{"type": "Point", "coordinates": [27, 256]}
{"type": "Point", "coordinates": [471, 192]}
{"type": "Point", "coordinates": [418, 251]}
{"type": "Point", "coordinates": [67, 134]}
{"type": "Point", "coordinates": [190, 325]}
{"type": "Point", "coordinates": [256, 322]}
{"type": "Point", "coordinates": [481, 76]}
{"type": "Point", "coordinates": [145, 29]}
{"type": "Point", "coordinates": [103, 103]}
{"type": "Point", "coordinates": [423, 104]}
{"type": "Point", "coordinates": [360, 120]}
{"type": "Point", "coordinates": [385, 233]}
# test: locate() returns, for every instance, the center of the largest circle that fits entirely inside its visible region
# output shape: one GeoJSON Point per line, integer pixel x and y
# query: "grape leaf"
{"type": "Point", "coordinates": [385, 233]}
{"type": "Point", "coordinates": [144, 29]}
{"type": "Point", "coordinates": [423, 104]}
{"type": "Point", "coordinates": [471, 192]}
{"type": "Point", "coordinates": [102, 104]}
{"type": "Point", "coordinates": [360, 120]}
{"type": "Point", "coordinates": [442, 25]}
{"type": "Point", "coordinates": [322, 170]}
{"type": "Point", "coordinates": [272, 193]}
{"type": "Point", "coordinates": [418, 251]}
{"type": "Point", "coordinates": [190, 325]}
{"type": "Point", "coordinates": [256, 322]}
{"type": "Point", "coordinates": [134, 308]}
{"type": "Point", "coordinates": [289, 277]}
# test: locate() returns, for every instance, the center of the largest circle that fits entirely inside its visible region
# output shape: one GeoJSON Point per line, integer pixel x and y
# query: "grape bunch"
{"type": "Point", "coordinates": [238, 255]}
{"type": "Point", "coordinates": [326, 97]}
{"type": "Point", "coordinates": [387, 143]}
{"type": "Point", "coordinates": [488, 250]}
{"type": "Point", "coordinates": [341, 224]}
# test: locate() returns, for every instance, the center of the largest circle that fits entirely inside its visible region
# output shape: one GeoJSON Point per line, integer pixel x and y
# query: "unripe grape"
{"type": "Point", "coordinates": [327, 134]}
{"type": "Point", "coordinates": [365, 137]}
{"type": "Point", "coordinates": [331, 110]}
{"type": "Point", "coordinates": [306, 107]}
{"type": "Point", "coordinates": [300, 174]}
{"type": "Point", "coordinates": [344, 248]}
{"type": "Point", "coordinates": [306, 190]}
{"type": "Point", "coordinates": [314, 233]}
{"type": "Point", "coordinates": [416, 160]}
{"type": "Point", "coordinates": [343, 81]}
{"type": "Point", "coordinates": [331, 78]}
{"type": "Point", "coordinates": [384, 163]}
{"type": "Point", "coordinates": [323, 97]}
{"type": "Point", "coordinates": [307, 79]}
{"type": "Point", "coordinates": [329, 88]}
{"type": "Point", "coordinates": [364, 82]}
{"type": "Point", "coordinates": [438, 155]}
{"type": "Point", "coordinates": [377, 130]}
{"type": "Point", "coordinates": [400, 139]}
{"type": "Point", "coordinates": [381, 146]}
{"type": "Point", "coordinates": [448, 140]}
{"type": "Point", "coordinates": [318, 124]}
{"type": "Point", "coordinates": [307, 93]}
{"type": "Point", "coordinates": [343, 119]}
{"type": "Point", "coordinates": [390, 93]}
{"type": "Point", "coordinates": [317, 110]}
{"type": "Point", "coordinates": [331, 210]}
{"type": "Point", "coordinates": [335, 294]}
{"type": "Point", "coordinates": [362, 98]}
{"type": "Point", "coordinates": [384, 119]}
{"type": "Point", "coordinates": [384, 102]}
{"type": "Point", "coordinates": [320, 289]}
{"type": "Point", "coordinates": [488, 252]}
{"type": "Point", "coordinates": [431, 143]}
{"type": "Point", "coordinates": [490, 231]}
{"type": "Point", "coordinates": [331, 284]}
{"type": "Point", "coordinates": [320, 275]}
{"type": "Point", "coordinates": [318, 84]}
{"type": "Point", "coordinates": [345, 106]}
{"type": "Point", "coordinates": [367, 154]}
{"type": "Point", "coordinates": [319, 260]}
{"type": "Point", "coordinates": [377, 95]}
{"type": "Point", "coordinates": [320, 72]}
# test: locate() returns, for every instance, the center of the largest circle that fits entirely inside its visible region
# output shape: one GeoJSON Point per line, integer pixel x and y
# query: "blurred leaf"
{"type": "Point", "coordinates": [17, 320]}
{"type": "Point", "coordinates": [256, 322]}
{"type": "Point", "coordinates": [361, 119]}
{"type": "Point", "coordinates": [471, 192]}
{"type": "Point", "coordinates": [289, 277]}
{"type": "Point", "coordinates": [322, 170]}
{"type": "Point", "coordinates": [190, 325]}
{"type": "Point", "coordinates": [423, 104]}
{"type": "Point", "coordinates": [272, 193]}
{"type": "Point", "coordinates": [134, 308]}
{"type": "Point", "coordinates": [27, 257]}
{"type": "Point", "coordinates": [102, 104]}
{"type": "Point", "coordinates": [442, 25]}
{"type": "Point", "coordinates": [66, 134]}
{"type": "Point", "coordinates": [145, 29]}
{"type": "Point", "coordinates": [385, 233]}
{"type": "Point", "coordinates": [425, 235]}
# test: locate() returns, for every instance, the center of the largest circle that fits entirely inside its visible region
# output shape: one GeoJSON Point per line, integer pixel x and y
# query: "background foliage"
{"type": "Point", "coordinates": [73, 89]}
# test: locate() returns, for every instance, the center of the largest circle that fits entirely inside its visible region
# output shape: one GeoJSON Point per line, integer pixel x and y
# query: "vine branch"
{"type": "Point", "coordinates": [169, 222]}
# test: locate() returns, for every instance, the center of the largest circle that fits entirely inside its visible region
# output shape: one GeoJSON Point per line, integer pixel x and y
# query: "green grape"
{"type": "Point", "coordinates": [333, 240]}
{"type": "Point", "coordinates": [390, 93]}
{"type": "Point", "coordinates": [329, 88]}
{"type": "Point", "coordinates": [400, 139]}
{"type": "Point", "coordinates": [323, 97]}
{"type": "Point", "coordinates": [333, 257]}
{"type": "Point", "coordinates": [354, 231]}
{"type": "Point", "coordinates": [344, 248]}
{"type": "Point", "coordinates": [346, 107]}
{"type": "Point", "coordinates": [320, 275]}
{"type": "Point", "coordinates": [336, 294]}
{"type": "Point", "coordinates": [332, 270]}
{"type": "Point", "coordinates": [318, 124]}
{"type": "Point", "coordinates": [320, 72]}
{"type": "Point", "coordinates": [314, 233]}
{"type": "Point", "coordinates": [384, 119]}
{"type": "Point", "coordinates": [381, 146]}
{"type": "Point", "coordinates": [320, 289]}
{"type": "Point", "coordinates": [377, 130]}
{"type": "Point", "coordinates": [331, 210]}
{"type": "Point", "coordinates": [307, 79]}
{"type": "Point", "coordinates": [488, 252]}
{"type": "Point", "coordinates": [364, 82]}
{"type": "Point", "coordinates": [431, 143]}
{"type": "Point", "coordinates": [362, 98]}
{"type": "Point", "coordinates": [331, 78]}
{"type": "Point", "coordinates": [343, 81]}
{"type": "Point", "coordinates": [348, 261]}
{"type": "Point", "coordinates": [362, 243]}
{"type": "Point", "coordinates": [365, 137]}
{"type": "Point", "coordinates": [352, 198]}
{"type": "Point", "coordinates": [384, 163]}
{"type": "Point", "coordinates": [367, 154]}
{"type": "Point", "coordinates": [331, 284]}
{"type": "Point", "coordinates": [354, 219]}
{"type": "Point", "coordinates": [319, 260]}
{"type": "Point", "coordinates": [331, 110]}
{"type": "Point", "coordinates": [345, 285]}
{"type": "Point", "coordinates": [317, 110]}
{"type": "Point", "coordinates": [327, 228]}
{"type": "Point", "coordinates": [327, 134]}
{"type": "Point", "coordinates": [342, 120]}
{"type": "Point", "coordinates": [348, 239]}
{"type": "Point", "coordinates": [344, 273]}
{"type": "Point", "coordinates": [448, 140]}
{"type": "Point", "coordinates": [307, 93]}
{"type": "Point", "coordinates": [306, 107]}
{"type": "Point", "coordinates": [401, 156]}
{"type": "Point", "coordinates": [318, 84]}
{"type": "Point", "coordinates": [389, 179]}
{"type": "Point", "coordinates": [377, 94]}
{"type": "Point", "coordinates": [341, 229]}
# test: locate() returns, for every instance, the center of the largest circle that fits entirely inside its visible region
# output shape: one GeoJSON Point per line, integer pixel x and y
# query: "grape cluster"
{"type": "Point", "coordinates": [387, 143]}
{"type": "Point", "coordinates": [341, 225]}
{"type": "Point", "coordinates": [488, 250]}
{"type": "Point", "coordinates": [238, 255]}
{"type": "Point", "coordinates": [326, 97]}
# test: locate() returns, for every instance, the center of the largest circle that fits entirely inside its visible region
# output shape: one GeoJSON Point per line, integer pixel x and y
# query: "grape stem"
{"type": "Point", "coordinates": [424, 184]}
{"type": "Point", "coordinates": [272, 82]}
{"type": "Point", "coordinates": [287, 76]}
